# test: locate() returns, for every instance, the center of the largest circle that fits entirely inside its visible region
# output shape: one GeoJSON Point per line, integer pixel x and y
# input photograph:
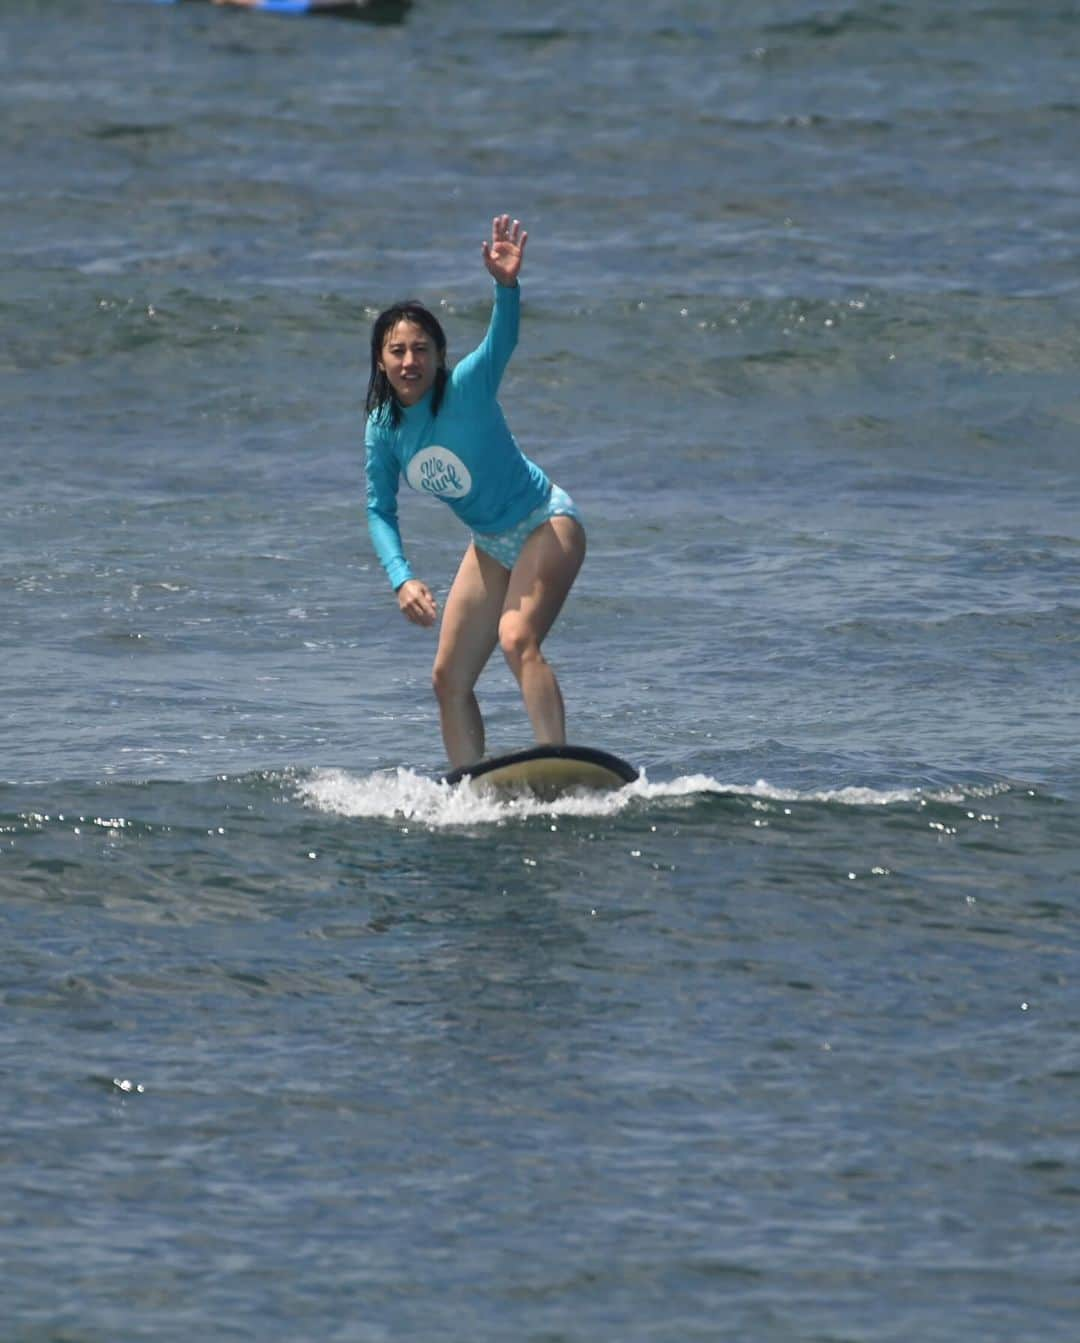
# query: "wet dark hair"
{"type": "Point", "coordinates": [381, 397]}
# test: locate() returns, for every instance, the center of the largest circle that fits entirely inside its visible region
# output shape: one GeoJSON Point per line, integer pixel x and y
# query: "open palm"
{"type": "Point", "coordinates": [504, 254]}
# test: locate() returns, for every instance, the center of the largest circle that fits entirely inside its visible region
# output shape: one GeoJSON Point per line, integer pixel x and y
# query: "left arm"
{"type": "Point", "coordinates": [506, 251]}
{"type": "Point", "coordinates": [486, 364]}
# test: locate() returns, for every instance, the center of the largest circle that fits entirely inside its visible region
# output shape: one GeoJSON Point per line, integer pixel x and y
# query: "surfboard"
{"type": "Point", "coordinates": [547, 772]}
{"type": "Point", "coordinates": [374, 11]}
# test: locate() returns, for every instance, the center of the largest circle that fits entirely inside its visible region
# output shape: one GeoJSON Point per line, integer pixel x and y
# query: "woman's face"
{"type": "Point", "coordinates": [410, 361]}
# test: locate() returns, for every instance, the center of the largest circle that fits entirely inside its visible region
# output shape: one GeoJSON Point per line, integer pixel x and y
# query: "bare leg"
{"type": "Point", "coordinates": [468, 635]}
{"type": "Point", "coordinates": [541, 578]}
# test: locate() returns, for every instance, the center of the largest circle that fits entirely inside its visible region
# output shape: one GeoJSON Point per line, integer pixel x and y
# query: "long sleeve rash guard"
{"type": "Point", "coordinates": [465, 455]}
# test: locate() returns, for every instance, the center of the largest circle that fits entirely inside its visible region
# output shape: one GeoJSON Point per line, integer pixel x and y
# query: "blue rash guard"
{"type": "Point", "coordinates": [465, 455]}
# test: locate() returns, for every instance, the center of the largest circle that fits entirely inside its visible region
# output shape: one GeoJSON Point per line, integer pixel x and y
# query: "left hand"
{"type": "Point", "coordinates": [504, 254]}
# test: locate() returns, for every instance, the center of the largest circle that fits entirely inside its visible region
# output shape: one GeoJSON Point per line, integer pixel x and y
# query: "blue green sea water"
{"type": "Point", "coordinates": [780, 1042]}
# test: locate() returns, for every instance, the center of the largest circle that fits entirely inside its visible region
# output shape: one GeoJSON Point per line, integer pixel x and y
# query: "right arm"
{"type": "Point", "coordinates": [414, 598]}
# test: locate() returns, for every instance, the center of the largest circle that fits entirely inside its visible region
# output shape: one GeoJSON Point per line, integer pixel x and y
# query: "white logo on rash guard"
{"type": "Point", "coordinates": [438, 471]}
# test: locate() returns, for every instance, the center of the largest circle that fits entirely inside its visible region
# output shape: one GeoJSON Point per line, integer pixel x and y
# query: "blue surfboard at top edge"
{"type": "Point", "coordinates": [373, 9]}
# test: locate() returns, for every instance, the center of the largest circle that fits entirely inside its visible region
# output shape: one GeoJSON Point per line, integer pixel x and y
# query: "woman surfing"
{"type": "Point", "coordinates": [444, 431]}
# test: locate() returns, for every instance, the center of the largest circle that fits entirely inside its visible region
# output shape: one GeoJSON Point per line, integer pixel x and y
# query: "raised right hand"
{"type": "Point", "coordinates": [416, 602]}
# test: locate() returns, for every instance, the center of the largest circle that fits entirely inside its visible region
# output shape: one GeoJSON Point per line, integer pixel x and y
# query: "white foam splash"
{"type": "Point", "coordinates": [404, 795]}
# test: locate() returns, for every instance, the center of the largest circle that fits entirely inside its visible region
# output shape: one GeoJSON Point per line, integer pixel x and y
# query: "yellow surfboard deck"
{"type": "Point", "coordinates": [547, 772]}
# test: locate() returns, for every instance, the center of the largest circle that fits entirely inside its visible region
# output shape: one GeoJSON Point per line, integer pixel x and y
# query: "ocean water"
{"type": "Point", "coordinates": [781, 1041]}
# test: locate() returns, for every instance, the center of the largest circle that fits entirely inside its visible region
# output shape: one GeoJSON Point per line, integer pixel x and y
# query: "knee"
{"type": "Point", "coordinates": [517, 640]}
{"type": "Point", "coordinates": [445, 684]}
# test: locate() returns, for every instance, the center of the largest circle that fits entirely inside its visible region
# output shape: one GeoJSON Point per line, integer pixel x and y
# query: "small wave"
{"type": "Point", "coordinates": [848, 796]}
{"type": "Point", "coordinates": [402, 794]}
